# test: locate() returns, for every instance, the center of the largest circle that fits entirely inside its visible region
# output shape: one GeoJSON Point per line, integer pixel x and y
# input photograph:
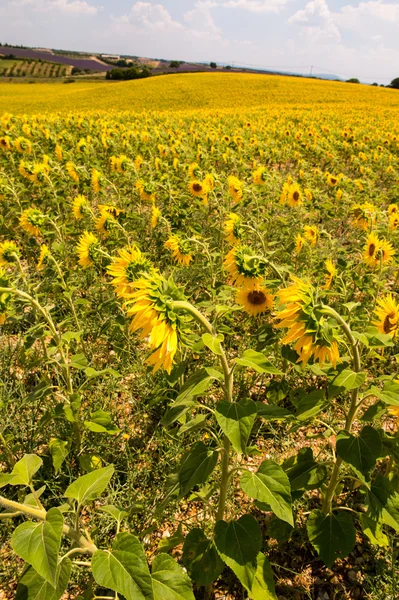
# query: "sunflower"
{"type": "Point", "coordinates": [393, 221]}
{"type": "Point", "coordinates": [198, 188]}
{"type": "Point", "coordinates": [146, 190]}
{"type": "Point", "coordinates": [331, 180]}
{"type": "Point", "coordinates": [58, 152]}
{"type": "Point", "coordinates": [9, 251]}
{"type": "Point", "coordinates": [43, 257]}
{"type": "Point", "coordinates": [194, 171]}
{"type": "Point", "coordinates": [312, 336]}
{"type": "Point", "coordinates": [5, 142]}
{"type": "Point", "coordinates": [126, 268]}
{"type": "Point", "coordinates": [71, 170]}
{"type": "Point", "coordinates": [112, 210]}
{"type": "Point", "coordinates": [180, 249]}
{"type": "Point", "coordinates": [23, 145]}
{"type": "Point", "coordinates": [393, 209]}
{"type": "Point", "coordinates": [243, 266]}
{"type": "Point", "coordinates": [79, 206]}
{"type": "Point", "coordinates": [232, 229]}
{"type": "Point", "coordinates": [87, 249]}
{"type": "Point", "coordinates": [260, 176]}
{"type": "Point", "coordinates": [31, 220]}
{"type": "Point", "coordinates": [393, 411]}
{"type": "Point", "coordinates": [364, 215]}
{"type": "Point", "coordinates": [284, 193]}
{"type": "Point", "coordinates": [209, 181]}
{"type": "Point", "coordinates": [371, 250]}
{"type": "Point", "coordinates": [104, 222]}
{"type": "Point", "coordinates": [254, 298]}
{"type": "Point", "coordinates": [299, 243]}
{"type": "Point", "coordinates": [387, 252]}
{"type": "Point", "coordinates": [149, 306]}
{"type": "Point", "coordinates": [387, 313]}
{"type": "Point", "coordinates": [95, 180]}
{"type": "Point", "coordinates": [331, 273]}
{"type": "Point", "coordinates": [155, 216]}
{"type": "Point", "coordinates": [235, 188]}
{"type": "Point", "coordinates": [311, 233]}
{"type": "Point", "coordinates": [294, 195]}
{"type": "Point", "coordinates": [138, 161]}
{"type": "Point", "coordinates": [308, 194]}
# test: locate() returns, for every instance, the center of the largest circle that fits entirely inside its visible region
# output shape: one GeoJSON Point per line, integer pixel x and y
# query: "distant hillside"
{"type": "Point", "coordinates": [92, 64]}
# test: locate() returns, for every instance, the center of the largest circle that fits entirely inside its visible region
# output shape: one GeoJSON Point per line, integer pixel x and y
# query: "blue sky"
{"type": "Point", "coordinates": [346, 37]}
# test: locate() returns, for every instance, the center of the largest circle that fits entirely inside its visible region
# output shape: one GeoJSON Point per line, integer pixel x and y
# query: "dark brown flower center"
{"type": "Point", "coordinates": [256, 297]}
{"type": "Point", "coordinates": [197, 187]}
{"type": "Point", "coordinates": [387, 325]}
{"type": "Point", "coordinates": [371, 249]}
{"type": "Point", "coordinates": [333, 180]}
{"type": "Point", "coordinates": [295, 195]}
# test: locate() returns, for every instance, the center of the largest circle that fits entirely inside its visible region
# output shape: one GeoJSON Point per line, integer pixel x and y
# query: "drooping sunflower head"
{"type": "Point", "coordinates": [299, 243]}
{"type": "Point", "coordinates": [155, 216]}
{"type": "Point", "coordinates": [236, 188]}
{"type": "Point", "coordinates": [31, 220]}
{"type": "Point", "coordinates": [104, 222]}
{"type": "Point", "coordinates": [232, 229]}
{"type": "Point", "coordinates": [254, 298]}
{"type": "Point", "coordinates": [87, 249]}
{"type": "Point", "coordinates": [387, 313]}
{"type": "Point", "coordinates": [72, 172]}
{"type": "Point", "coordinates": [194, 171]}
{"type": "Point", "coordinates": [126, 268]}
{"type": "Point", "coordinates": [43, 257]}
{"type": "Point", "coordinates": [364, 215]}
{"type": "Point", "coordinates": [79, 206]}
{"type": "Point", "coordinates": [260, 176]}
{"type": "Point", "coordinates": [309, 331]}
{"type": "Point", "coordinates": [5, 298]}
{"type": "Point", "coordinates": [209, 181]}
{"type": "Point", "coordinates": [146, 190]}
{"type": "Point", "coordinates": [311, 234]}
{"type": "Point", "coordinates": [244, 266]}
{"type": "Point", "coordinates": [151, 307]}
{"type": "Point", "coordinates": [393, 221]}
{"type": "Point", "coordinates": [9, 252]}
{"type": "Point", "coordinates": [331, 273]}
{"type": "Point", "coordinates": [180, 248]}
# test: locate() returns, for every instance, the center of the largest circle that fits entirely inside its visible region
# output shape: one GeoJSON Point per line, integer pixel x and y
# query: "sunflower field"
{"type": "Point", "coordinates": [199, 319]}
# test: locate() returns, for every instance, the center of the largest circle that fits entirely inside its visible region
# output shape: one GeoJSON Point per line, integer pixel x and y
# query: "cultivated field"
{"type": "Point", "coordinates": [32, 68]}
{"type": "Point", "coordinates": [199, 314]}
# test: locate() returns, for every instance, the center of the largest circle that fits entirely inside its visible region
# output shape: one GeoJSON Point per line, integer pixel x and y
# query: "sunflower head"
{"type": "Point", "coordinates": [294, 195]}
{"type": "Point", "coordinates": [9, 252]}
{"type": "Point", "coordinates": [387, 313]}
{"type": "Point", "coordinates": [155, 216]}
{"type": "Point", "coordinates": [311, 234]}
{"type": "Point", "coordinates": [236, 188]}
{"type": "Point", "coordinates": [371, 250]}
{"type": "Point", "coordinates": [151, 306]}
{"type": "Point", "coordinates": [126, 268]}
{"type": "Point", "coordinates": [244, 266]}
{"type": "Point", "coordinates": [254, 298]}
{"type": "Point", "coordinates": [260, 176]}
{"type": "Point", "coordinates": [232, 229]}
{"type": "Point", "coordinates": [309, 330]}
{"type": "Point", "coordinates": [88, 249]}
{"type": "Point", "coordinates": [180, 249]}
{"type": "Point", "coordinates": [43, 257]}
{"type": "Point", "coordinates": [79, 207]}
{"type": "Point", "coordinates": [198, 188]}
{"type": "Point", "coordinates": [31, 220]}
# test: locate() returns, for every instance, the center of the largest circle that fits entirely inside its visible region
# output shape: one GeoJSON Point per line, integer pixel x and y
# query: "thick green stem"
{"type": "Point", "coordinates": [351, 414]}
{"type": "Point", "coordinates": [35, 513]}
{"type": "Point", "coordinates": [228, 394]}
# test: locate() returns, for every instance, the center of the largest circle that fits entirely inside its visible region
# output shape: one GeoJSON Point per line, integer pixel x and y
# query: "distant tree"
{"type": "Point", "coordinates": [213, 65]}
{"type": "Point", "coordinates": [394, 83]}
{"type": "Point", "coordinates": [175, 64]}
{"type": "Point", "coordinates": [76, 70]}
{"type": "Point", "coordinates": [353, 80]}
{"type": "Point", "coordinates": [227, 67]}
{"type": "Point", "coordinates": [375, 84]}
{"type": "Point", "coordinates": [128, 74]}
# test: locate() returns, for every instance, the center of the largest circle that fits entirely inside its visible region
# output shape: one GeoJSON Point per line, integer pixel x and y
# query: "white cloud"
{"type": "Point", "coordinates": [255, 6]}
{"type": "Point", "coordinates": [200, 19]}
{"type": "Point", "coordinates": [77, 7]}
{"type": "Point", "coordinates": [351, 16]}
{"type": "Point", "coordinates": [144, 15]}
{"type": "Point", "coordinates": [318, 21]}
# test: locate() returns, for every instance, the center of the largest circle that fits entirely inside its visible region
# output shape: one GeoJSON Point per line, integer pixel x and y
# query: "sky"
{"type": "Point", "coordinates": [345, 37]}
